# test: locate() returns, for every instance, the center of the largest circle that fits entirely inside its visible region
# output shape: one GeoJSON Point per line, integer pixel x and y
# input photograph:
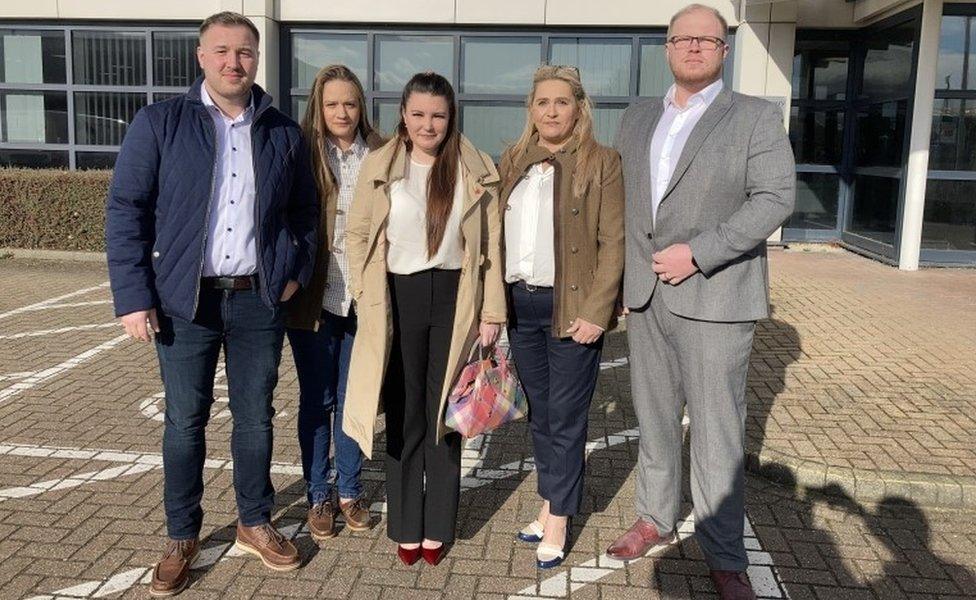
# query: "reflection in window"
{"type": "Point", "coordinates": [655, 74]}
{"type": "Point", "coordinates": [175, 58]}
{"type": "Point", "coordinates": [817, 135]}
{"type": "Point", "coordinates": [953, 144]}
{"type": "Point", "coordinates": [101, 118]}
{"type": "Point", "coordinates": [34, 117]}
{"type": "Point", "coordinates": [499, 65]}
{"type": "Point", "coordinates": [950, 215]}
{"type": "Point", "coordinates": [299, 104]}
{"type": "Point", "coordinates": [95, 160]}
{"type": "Point", "coordinates": [109, 57]}
{"type": "Point", "coordinates": [34, 159]}
{"type": "Point", "coordinates": [888, 62]}
{"type": "Point", "coordinates": [604, 64]}
{"type": "Point", "coordinates": [816, 201]}
{"type": "Point", "coordinates": [820, 69]}
{"type": "Point", "coordinates": [492, 128]}
{"type": "Point", "coordinates": [312, 51]}
{"type": "Point", "coordinates": [606, 119]}
{"type": "Point", "coordinates": [398, 58]}
{"type": "Point", "coordinates": [875, 208]}
{"type": "Point", "coordinates": [32, 56]}
{"type": "Point", "coordinates": [881, 134]}
{"type": "Point", "coordinates": [386, 115]}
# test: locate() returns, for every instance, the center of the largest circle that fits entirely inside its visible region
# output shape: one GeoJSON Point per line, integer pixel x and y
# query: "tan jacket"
{"type": "Point", "coordinates": [589, 234]}
{"type": "Point", "coordinates": [305, 307]}
{"type": "Point", "coordinates": [481, 292]}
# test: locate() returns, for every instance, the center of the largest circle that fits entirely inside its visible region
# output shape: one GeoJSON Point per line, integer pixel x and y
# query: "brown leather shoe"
{"type": "Point", "coordinates": [732, 585]}
{"type": "Point", "coordinates": [356, 514]}
{"type": "Point", "coordinates": [172, 572]}
{"type": "Point", "coordinates": [321, 521]}
{"type": "Point", "coordinates": [638, 541]}
{"type": "Point", "coordinates": [265, 542]}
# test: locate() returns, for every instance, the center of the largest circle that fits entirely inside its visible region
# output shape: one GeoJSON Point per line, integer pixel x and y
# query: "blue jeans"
{"type": "Point", "coordinates": [251, 335]}
{"type": "Point", "coordinates": [322, 361]}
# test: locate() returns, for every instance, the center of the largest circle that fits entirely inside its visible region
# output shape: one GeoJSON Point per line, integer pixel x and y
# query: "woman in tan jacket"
{"type": "Point", "coordinates": [424, 252]}
{"type": "Point", "coordinates": [564, 258]}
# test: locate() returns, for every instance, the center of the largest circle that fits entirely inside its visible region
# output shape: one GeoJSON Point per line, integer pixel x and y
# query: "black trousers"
{"type": "Point", "coordinates": [423, 477]}
{"type": "Point", "coordinates": [559, 377]}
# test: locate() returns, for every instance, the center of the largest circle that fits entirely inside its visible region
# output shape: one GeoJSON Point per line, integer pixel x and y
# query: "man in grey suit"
{"type": "Point", "coordinates": [709, 176]}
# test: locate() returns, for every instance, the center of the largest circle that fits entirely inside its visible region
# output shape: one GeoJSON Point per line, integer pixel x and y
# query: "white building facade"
{"type": "Point", "coordinates": [879, 95]}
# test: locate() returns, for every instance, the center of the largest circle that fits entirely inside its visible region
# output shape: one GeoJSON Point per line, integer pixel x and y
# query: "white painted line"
{"type": "Point", "coordinates": [43, 332]}
{"type": "Point", "coordinates": [613, 364]}
{"type": "Point", "coordinates": [73, 304]}
{"type": "Point", "coordinates": [74, 481]}
{"type": "Point", "coordinates": [20, 375]}
{"type": "Point", "coordinates": [42, 376]}
{"type": "Point", "coordinates": [46, 303]}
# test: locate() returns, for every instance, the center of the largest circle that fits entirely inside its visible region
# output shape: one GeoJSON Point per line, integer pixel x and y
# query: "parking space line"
{"type": "Point", "coordinates": [43, 332]}
{"type": "Point", "coordinates": [50, 301]}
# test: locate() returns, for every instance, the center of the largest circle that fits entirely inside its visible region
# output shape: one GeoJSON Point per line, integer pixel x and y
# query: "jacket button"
{"type": "Point", "coordinates": [574, 287]}
{"type": "Point", "coordinates": [156, 254]}
{"type": "Point", "coordinates": [575, 211]}
{"type": "Point", "coordinates": [650, 235]}
{"type": "Point", "coordinates": [574, 249]}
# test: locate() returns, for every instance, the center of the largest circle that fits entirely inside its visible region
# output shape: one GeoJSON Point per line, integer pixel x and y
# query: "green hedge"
{"type": "Point", "coordinates": [53, 209]}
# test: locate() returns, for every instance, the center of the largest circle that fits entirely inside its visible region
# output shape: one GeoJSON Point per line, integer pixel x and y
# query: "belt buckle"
{"type": "Point", "coordinates": [530, 288]}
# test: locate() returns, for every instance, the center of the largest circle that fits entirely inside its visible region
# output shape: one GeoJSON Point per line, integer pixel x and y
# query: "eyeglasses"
{"type": "Point", "coordinates": [705, 42]}
{"type": "Point", "coordinates": [572, 68]}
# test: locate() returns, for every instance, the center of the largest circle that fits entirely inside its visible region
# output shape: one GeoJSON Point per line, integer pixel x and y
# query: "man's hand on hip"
{"type": "Point", "coordinates": [290, 288]}
{"type": "Point", "coordinates": [674, 264]}
{"type": "Point", "coordinates": [135, 324]}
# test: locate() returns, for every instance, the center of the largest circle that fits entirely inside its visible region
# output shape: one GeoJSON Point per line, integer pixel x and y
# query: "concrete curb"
{"type": "Point", "coordinates": [62, 255]}
{"type": "Point", "coordinates": [930, 490]}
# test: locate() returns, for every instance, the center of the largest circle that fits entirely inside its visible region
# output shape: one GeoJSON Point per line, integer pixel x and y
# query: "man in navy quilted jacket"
{"type": "Point", "coordinates": [210, 228]}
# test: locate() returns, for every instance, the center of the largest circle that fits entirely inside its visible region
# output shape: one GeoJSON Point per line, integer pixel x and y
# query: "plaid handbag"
{"type": "Point", "coordinates": [487, 394]}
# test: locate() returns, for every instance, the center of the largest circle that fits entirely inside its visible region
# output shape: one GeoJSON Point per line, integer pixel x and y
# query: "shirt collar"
{"type": "Point", "coordinates": [358, 147]}
{"type": "Point", "coordinates": [705, 97]}
{"type": "Point", "coordinates": [208, 102]}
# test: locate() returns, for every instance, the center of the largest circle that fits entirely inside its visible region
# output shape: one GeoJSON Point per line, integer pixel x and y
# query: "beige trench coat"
{"type": "Point", "coordinates": [481, 292]}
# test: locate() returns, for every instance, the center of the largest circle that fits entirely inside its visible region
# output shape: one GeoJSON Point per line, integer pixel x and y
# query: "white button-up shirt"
{"type": "Point", "coordinates": [231, 247]}
{"type": "Point", "coordinates": [671, 135]}
{"type": "Point", "coordinates": [345, 170]}
{"type": "Point", "coordinates": [529, 235]}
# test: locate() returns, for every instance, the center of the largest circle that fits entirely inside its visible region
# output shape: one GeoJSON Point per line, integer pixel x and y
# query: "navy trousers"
{"type": "Point", "coordinates": [559, 377]}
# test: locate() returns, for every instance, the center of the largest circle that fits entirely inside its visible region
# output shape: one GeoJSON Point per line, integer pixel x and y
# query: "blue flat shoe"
{"type": "Point", "coordinates": [531, 533]}
{"type": "Point", "coordinates": [549, 556]}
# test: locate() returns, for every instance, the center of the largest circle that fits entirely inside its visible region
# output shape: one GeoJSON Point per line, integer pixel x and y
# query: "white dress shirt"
{"type": "Point", "coordinates": [345, 170]}
{"type": "Point", "coordinates": [406, 230]}
{"type": "Point", "coordinates": [671, 135]}
{"type": "Point", "coordinates": [529, 237]}
{"type": "Point", "coordinates": [231, 248]}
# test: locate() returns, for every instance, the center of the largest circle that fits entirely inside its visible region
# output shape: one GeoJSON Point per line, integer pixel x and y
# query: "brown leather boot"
{"type": "Point", "coordinates": [265, 542]}
{"type": "Point", "coordinates": [321, 521]}
{"type": "Point", "coordinates": [172, 572]}
{"type": "Point", "coordinates": [356, 514]}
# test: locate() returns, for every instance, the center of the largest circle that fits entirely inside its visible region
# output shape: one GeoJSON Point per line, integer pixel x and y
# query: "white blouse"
{"type": "Point", "coordinates": [406, 230]}
{"type": "Point", "coordinates": [529, 237]}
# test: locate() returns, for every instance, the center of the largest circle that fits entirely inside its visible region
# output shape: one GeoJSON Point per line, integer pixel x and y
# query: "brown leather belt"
{"type": "Point", "coordinates": [242, 282]}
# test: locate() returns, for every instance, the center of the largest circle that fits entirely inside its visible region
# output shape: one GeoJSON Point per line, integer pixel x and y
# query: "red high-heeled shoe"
{"type": "Point", "coordinates": [433, 555]}
{"type": "Point", "coordinates": [408, 556]}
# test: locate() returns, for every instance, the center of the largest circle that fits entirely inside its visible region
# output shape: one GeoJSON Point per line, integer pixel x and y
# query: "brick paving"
{"type": "Point", "coordinates": [862, 370]}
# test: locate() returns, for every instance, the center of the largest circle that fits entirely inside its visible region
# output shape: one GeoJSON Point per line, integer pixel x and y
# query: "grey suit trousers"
{"type": "Point", "coordinates": [677, 362]}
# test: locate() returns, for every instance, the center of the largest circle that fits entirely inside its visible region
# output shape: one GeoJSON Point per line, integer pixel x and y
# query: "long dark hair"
{"type": "Point", "coordinates": [315, 129]}
{"type": "Point", "coordinates": [444, 173]}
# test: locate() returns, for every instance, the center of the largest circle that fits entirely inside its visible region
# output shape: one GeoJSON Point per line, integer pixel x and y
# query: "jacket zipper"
{"type": "Point", "coordinates": [262, 278]}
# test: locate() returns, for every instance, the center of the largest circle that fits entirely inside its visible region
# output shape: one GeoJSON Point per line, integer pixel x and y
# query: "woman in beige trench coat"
{"type": "Point", "coordinates": [386, 279]}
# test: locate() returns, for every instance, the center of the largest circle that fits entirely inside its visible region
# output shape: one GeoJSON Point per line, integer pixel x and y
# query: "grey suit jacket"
{"type": "Point", "coordinates": [733, 186]}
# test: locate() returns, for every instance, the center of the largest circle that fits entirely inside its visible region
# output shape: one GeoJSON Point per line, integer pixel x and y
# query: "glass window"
{"type": "Point", "coordinates": [953, 144]}
{"type": "Point", "coordinates": [101, 118]}
{"type": "Point", "coordinates": [499, 65]}
{"type": "Point", "coordinates": [32, 56]}
{"type": "Point", "coordinates": [386, 115]}
{"type": "Point", "coordinates": [312, 51]}
{"type": "Point", "coordinates": [109, 57]}
{"type": "Point", "coordinates": [492, 127]}
{"type": "Point", "coordinates": [175, 58]}
{"type": "Point", "coordinates": [881, 134]}
{"type": "Point", "coordinates": [817, 135]}
{"type": "Point", "coordinates": [655, 74]}
{"type": "Point", "coordinates": [820, 69]}
{"type": "Point", "coordinates": [816, 201]}
{"type": "Point", "coordinates": [606, 119]}
{"type": "Point", "coordinates": [34, 117]}
{"type": "Point", "coordinates": [888, 62]}
{"type": "Point", "coordinates": [400, 57]}
{"type": "Point", "coordinates": [950, 215]}
{"type": "Point", "coordinates": [298, 106]}
{"type": "Point", "coordinates": [604, 64]}
{"type": "Point", "coordinates": [95, 160]}
{"type": "Point", "coordinates": [875, 207]}
{"type": "Point", "coordinates": [34, 159]}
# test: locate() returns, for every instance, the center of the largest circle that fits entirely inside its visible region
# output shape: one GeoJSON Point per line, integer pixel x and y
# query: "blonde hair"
{"type": "Point", "coordinates": [588, 150]}
{"type": "Point", "coordinates": [701, 8]}
{"type": "Point", "coordinates": [315, 129]}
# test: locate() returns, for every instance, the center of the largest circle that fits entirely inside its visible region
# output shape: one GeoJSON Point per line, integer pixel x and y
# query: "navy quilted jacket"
{"type": "Point", "coordinates": [159, 202]}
